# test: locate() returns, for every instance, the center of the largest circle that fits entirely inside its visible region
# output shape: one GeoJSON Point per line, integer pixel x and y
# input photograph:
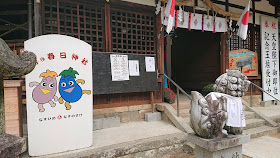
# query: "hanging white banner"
{"type": "Point", "coordinates": [196, 21]}
{"type": "Point", "coordinates": [208, 23]}
{"type": "Point", "coordinates": [221, 25]}
{"type": "Point", "coordinates": [185, 22]}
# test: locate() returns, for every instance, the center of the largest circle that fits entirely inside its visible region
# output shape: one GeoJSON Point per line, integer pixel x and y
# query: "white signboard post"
{"type": "Point", "coordinates": [119, 67]}
{"type": "Point", "coordinates": [59, 95]}
{"type": "Point", "coordinates": [270, 57]}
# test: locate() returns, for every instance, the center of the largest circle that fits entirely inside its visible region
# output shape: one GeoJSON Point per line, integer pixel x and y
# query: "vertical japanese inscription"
{"type": "Point", "coordinates": [270, 57]}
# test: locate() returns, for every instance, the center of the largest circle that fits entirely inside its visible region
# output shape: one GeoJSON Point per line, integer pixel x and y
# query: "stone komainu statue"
{"type": "Point", "coordinates": [209, 114]}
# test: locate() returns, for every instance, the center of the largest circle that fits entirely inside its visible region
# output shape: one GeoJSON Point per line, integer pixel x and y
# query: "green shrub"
{"type": "Point", "coordinates": [207, 89]}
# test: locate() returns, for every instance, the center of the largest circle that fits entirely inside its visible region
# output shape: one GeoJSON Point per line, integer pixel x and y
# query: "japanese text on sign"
{"type": "Point", "coordinates": [270, 57]}
{"type": "Point", "coordinates": [119, 67]}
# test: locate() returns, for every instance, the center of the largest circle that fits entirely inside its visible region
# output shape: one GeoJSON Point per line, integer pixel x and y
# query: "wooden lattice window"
{"type": "Point", "coordinates": [237, 43]}
{"type": "Point", "coordinates": [132, 32]}
{"type": "Point", "coordinates": [83, 21]}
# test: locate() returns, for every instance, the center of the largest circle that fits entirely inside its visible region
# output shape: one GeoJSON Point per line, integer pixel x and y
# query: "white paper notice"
{"type": "Point", "coordinates": [119, 67]}
{"type": "Point", "coordinates": [133, 68]}
{"type": "Point", "coordinates": [150, 64]}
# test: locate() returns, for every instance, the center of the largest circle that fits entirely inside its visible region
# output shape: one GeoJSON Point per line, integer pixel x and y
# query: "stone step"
{"type": "Point", "coordinates": [185, 113]}
{"type": "Point", "coordinates": [260, 131]}
{"type": "Point", "coordinates": [253, 123]}
{"type": "Point", "coordinates": [276, 118]}
{"type": "Point", "coordinates": [182, 105]}
{"type": "Point", "coordinates": [249, 115]}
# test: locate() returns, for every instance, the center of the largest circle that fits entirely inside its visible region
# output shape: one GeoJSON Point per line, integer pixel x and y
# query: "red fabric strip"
{"type": "Point", "coordinates": [190, 21]}
{"type": "Point", "coordinates": [203, 23]}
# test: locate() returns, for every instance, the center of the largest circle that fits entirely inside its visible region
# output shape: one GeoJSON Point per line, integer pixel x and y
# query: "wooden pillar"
{"type": "Point", "coordinates": [152, 101]}
{"type": "Point", "coordinates": [37, 17]}
{"type": "Point", "coordinates": [160, 50]}
{"type": "Point", "coordinates": [224, 53]}
{"type": "Point", "coordinates": [29, 19]}
{"type": "Point", "coordinates": [108, 36]}
{"type": "Point", "coordinates": [57, 17]}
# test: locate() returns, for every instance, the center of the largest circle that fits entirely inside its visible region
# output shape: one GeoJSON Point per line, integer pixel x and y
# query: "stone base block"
{"type": "Point", "coordinates": [218, 148]}
{"type": "Point", "coordinates": [97, 124]}
{"type": "Point", "coordinates": [234, 152]}
{"type": "Point", "coordinates": [269, 103]}
{"type": "Point", "coordinates": [108, 122]}
{"type": "Point", "coordinates": [111, 122]}
{"type": "Point", "coordinates": [156, 116]}
{"type": "Point", "coordinates": [11, 146]}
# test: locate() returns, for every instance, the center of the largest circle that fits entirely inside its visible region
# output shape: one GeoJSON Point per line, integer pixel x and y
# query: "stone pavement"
{"type": "Point", "coordinates": [135, 139]}
{"type": "Point", "coordinates": [262, 147]}
{"type": "Point", "coordinates": [270, 111]}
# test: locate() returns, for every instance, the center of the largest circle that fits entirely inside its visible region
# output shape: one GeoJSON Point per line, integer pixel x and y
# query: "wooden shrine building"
{"type": "Point", "coordinates": [194, 58]}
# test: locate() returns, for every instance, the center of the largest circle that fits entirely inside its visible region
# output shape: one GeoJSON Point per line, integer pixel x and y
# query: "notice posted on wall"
{"type": "Point", "coordinates": [119, 67]}
{"type": "Point", "coordinates": [150, 64]}
{"type": "Point", "coordinates": [134, 67]}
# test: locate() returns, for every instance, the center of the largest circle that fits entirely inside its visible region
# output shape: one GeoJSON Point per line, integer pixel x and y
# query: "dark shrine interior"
{"type": "Point", "coordinates": [195, 58]}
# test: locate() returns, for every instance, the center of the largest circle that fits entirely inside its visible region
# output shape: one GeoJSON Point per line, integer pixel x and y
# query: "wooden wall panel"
{"type": "Point", "coordinates": [13, 107]}
{"type": "Point", "coordinates": [117, 26]}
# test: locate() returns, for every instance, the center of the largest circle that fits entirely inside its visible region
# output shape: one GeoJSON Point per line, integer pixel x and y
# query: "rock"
{"type": "Point", "coordinates": [12, 65]}
{"type": "Point", "coordinates": [12, 146]}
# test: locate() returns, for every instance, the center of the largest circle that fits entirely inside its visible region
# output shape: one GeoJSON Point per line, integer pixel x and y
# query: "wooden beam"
{"type": "Point", "coordinates": [113, 105]}
{"type": "Point", "coordinates": [13, 12]}
{"type": "Point", "coordinates": [17, 25]}
{"type": "Point", "coordinates": [196, 2]}
{"type": "Point", "coordinates": [254, 11]}
{"type": "Point", "coordinates": [227, 8]}
{"type": "Point", "coordinates": [241, 7]}
{"type": "Point", "coordinates": [16, 28]}
{"type": "Point", "coordinates": [131, 6]}
{"type": "Point", "coordinates": [276, 12]}
{"type": "Point", "coordinates": [7, 27]}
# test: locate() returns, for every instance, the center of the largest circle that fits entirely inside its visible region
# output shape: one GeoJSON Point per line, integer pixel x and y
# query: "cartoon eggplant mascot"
{"type": "Point", "coordinates": [45, 91]}
{"type": "Point", "coordinates": [69, 89]}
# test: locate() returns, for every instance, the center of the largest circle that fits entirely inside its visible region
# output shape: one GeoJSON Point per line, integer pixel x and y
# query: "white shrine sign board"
{"type": "Point", "coordinates": [270, 57]}
{"type": "Point", "coordinates": [59, 95]}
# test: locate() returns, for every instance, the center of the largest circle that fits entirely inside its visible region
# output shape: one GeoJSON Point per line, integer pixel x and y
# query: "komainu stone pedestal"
{"type": "Point", "coordinates": [230, 147]}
